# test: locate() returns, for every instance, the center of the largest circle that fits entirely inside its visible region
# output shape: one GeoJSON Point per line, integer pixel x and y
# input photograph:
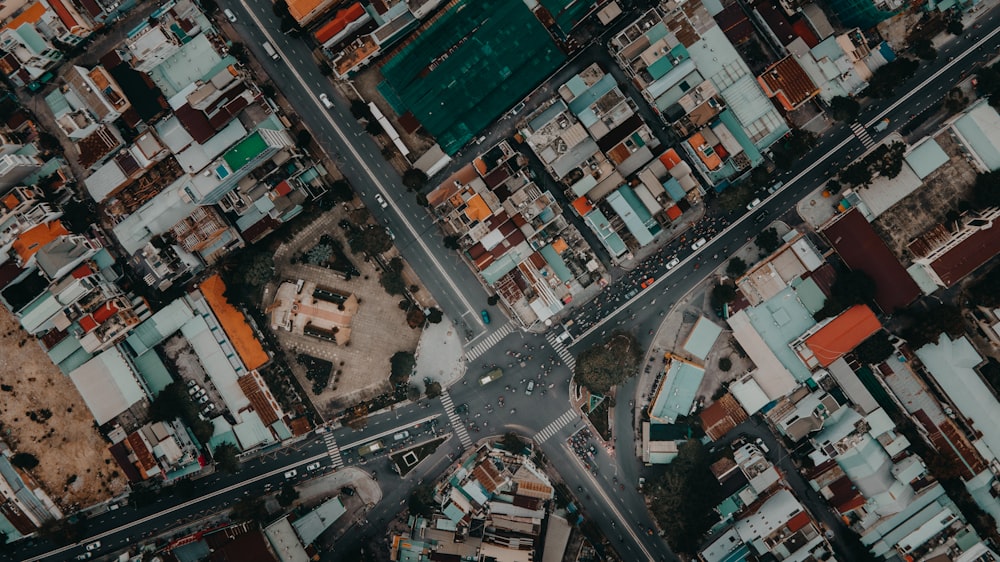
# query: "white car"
{"type": "Point", "coordinates": [313, 466]}
{"type": "Point", "coordinates": [698, 243]}
{"type": "Point", "coordinates": [326, 101]}
{"type": "Point", "coordinates": [203, 399]}
{"type": "Point", "coordinates": [84, 556]}
{"type": "Point", "coordinates": [762, 446]}
{"type": "Point", "coordinates": [230, 15]}
{"type": "Point", "coordinates": [381, 200]}
{"type": "Point", "coordinates": [291, 474]}
{"type": "Point", "coordinates": [531, 386]}
{"type": "Point", "coordinates": [93, 546]}
{"type": "Point", "coordinates": [672, 263]}
{"type": "Point", "coordinates": [754, 203]}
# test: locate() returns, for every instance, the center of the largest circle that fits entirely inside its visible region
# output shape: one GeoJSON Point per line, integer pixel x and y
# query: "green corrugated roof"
{"type": "Point", "coordinates": [153, 371]}
{"type": "Point", "coordinates": [568, 13]}
{"type": "Point", "coordinates": [467, 68]}
{"type": "Point", "coordinates": [556, 262]}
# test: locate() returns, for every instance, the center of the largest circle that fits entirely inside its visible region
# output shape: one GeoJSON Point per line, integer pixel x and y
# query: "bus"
{"type": "Point", "coordinates": [491, 376]}
{"type": "Point", "coordinates": [370, 448]}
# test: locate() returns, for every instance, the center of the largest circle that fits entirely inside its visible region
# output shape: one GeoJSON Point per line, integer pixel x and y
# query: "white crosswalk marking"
{"type": "Point", "coordinates": [862, 134]}
{"type": "Point", "coordinates": [456, 421]}
{"type": "Point", "coordinates": [489, 342]}
{"type": "Point", "coordinates": [333, 450]}
{"type": "Point", "coordinates": [556, 425]}
{"type": "Point", "coordinates": [561, 350]}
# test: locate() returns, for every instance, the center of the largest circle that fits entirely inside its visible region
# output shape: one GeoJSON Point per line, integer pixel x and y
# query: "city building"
{"type": "Point", "coordinates": [947, 255]}
{"type": "Point", "coordinates": [16, 167]}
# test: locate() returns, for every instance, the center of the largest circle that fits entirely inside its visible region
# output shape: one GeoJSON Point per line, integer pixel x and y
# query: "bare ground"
{"type": "Point", "coordinates": [66, 444]}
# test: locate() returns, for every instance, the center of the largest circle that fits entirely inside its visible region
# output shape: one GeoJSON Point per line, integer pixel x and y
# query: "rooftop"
{"type": "Point", "coordinates": [234, 323]}
{"type": "Point", "coordinates": [702, 337]}
{"type": "Point", "coordinates": [678, 391]}
{"type": "Point", "coordinates": [843, 334]}
{"type": "Point", "coordinates": [787, 81]}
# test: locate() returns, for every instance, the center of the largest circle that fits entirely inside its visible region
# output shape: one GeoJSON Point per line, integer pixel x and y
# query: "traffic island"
{"type": "Point", "coordinates": [407, 459]}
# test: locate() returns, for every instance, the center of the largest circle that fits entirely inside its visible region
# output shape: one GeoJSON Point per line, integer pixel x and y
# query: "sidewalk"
{"type": "Point", "coordinates": [439, 354]}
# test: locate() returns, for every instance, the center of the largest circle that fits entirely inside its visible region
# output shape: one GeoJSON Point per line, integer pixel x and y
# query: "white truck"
{"type": "Point", "coordinates": [270, 50]}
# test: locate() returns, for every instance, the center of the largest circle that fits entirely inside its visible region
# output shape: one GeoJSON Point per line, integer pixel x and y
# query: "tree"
{"type": "Point", "coordinates": [375, 240]}
{"type": "Point", "coordinates": [722, 294]}
{"type": "Point", "coordinates": [360, 110]}
{"type": "Point", "coordinates": [768, 240]}
{"type": "Point", "coordinates": [303, 139]}
{"type": "Point", "coordinates": [849, 288]}
{"type": "Point", "coordinates": [607, 364]}
{"type": "Point", "coordinates": [260, 270]}
{"type": "Point", "coordinates": [422, 200]}
{"type": "Point", "coordinates": [63, 531]}
{"type": "Point", "coordinates": [844, 108]}
{"type": "Point", "coordinates": [884, 81]}
{"type": "Point", "coordinates": [511, 443]}
{"type": "Point", "coordinates": [422, 501]}
{"type": "Point", "coordinates": [725, 364]}
{"type": "Point", "coordinates": [683, 498]}
{"type": "Point", "coordinates": [927, 327]}
{"type": "Point", "coordinates": [391, 278]}
{"type": "Point", "coordinates": [27, 461]}
{"type": "Point", "coordinates": [955, 27]}
{"type": "Point", "coordinates": [924, 49]}
{"type": "Point", "coordinates": [414, 179]}
{"type": "Point", "coordinates": [986, 190]}
{"type": "Point", "coordinates": [412, 393]}
{"type": "Point", "coordinates": [250, 508]}
{"type": "Point", "coordinates": [875, 349]}
{"type": "Point", "coordinates": [340, 191]}
{"type": "Point", "coordinates": [48, 142]}
{"type": "Point", "coordinates": [433, 389]}
{"type": "Point", "coordinates": [287, 495]}
{"type": "Point", "coordinates": [451, 242]}
{"type": "Point", "coordinates": [435, 316]}
{"type": "Point", "coordinates": [226, 459]}
{"type": "Point", "coordinates": [736, 267]}
{"type": "Point", "coordinates": [401, 365]}
{"type": "Point", "coordinates": [492, 300]}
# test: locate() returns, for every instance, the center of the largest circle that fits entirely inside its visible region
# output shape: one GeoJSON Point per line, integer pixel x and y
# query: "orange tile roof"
{"type": "Point", "coordinates": [339, 22]}
{"type": "Point", "coordinates": [582, 206]}
{"type": "Point", "coordinates": [11, 201]}
{"type": "Point", "coordinates": [710, 159]}
{"type": "Point", "coordinates": [560, 246]}
{"type": "Point", "coordinates": [233, 322]}
{"type": "Point", "coordinates": [673, 213]}
{"type": "Point", "coordinates": [32, 240]}
{"type": "Point", "coordinates": [299, 9]}
{"type": "Point", "coordinates": [670, 158]}
{"type": "Point", "coordinates": [843, 334]}
{"type": "Point", "coordinates": [64, 14]}
{"type": "Point", "coordinates": [31, 15]}
{"type": "Point", "coordinates": [477, 209]}
{"type": "Point", "coordinates": [787, 81]}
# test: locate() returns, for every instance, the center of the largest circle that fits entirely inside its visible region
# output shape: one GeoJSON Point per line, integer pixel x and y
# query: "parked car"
{"type": "Point", "coordinates": [648, 282]}
{"type": "Point", "coordinates": [291, 474]}
{"type": "Point", "coordinates": [754, 203]}
{"type": "Point", "coordinates": [401, 436]}
{"type": "Point", "coordinates": [698, 243]}
{"type": "Point", "coordinates": [93, 546]}
{"type": "Point", "coordinates": [84, 556]}
{"type": "Point", "coordinates": [486, 316]}
{"type": "Point", "coordinates": [776, 187]}
{"type": "Point", "coordinates": [194, 390]}
{"type": "Point", "coordinates": [347, 491]}
{"type": "Point", "coordinates": [203, 399]}
{"type": "Point", "coordinates": [313, 466]}
{"type": "Point", "coordinates": [381, 200]}
{"type": "Point", "coordinates": [207, 409]}
{"type": "Point", "coordinates": [326, 101]}
{"type": "Point", "coordinates": [531, 386]}
{"type": "Point", "coordinates": [191, 384]}
{"type": "Point", "coordinates": [763, 447]}
{"type": "Point", "coordinates": [672, 263]}
{"type": "Point", "coordinates": [230, 15]}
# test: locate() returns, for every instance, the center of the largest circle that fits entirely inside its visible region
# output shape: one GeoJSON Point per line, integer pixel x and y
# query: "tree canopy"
{"type": "Point", "coordinates": [884, 81]}
{"type": "Point", "coordinates": [736, 267]}
{"type": "Point", "coordinates": [422, 501]}
{"type": "Point", "coordinates": [226, 459]}
{"type": "Point", "coordinates": [768, 240]}
{"type": "Point", "coordinates": [392, 277]}
{"type": "Point", "coordinates": [844, 109]}
{"type": "Point", "coordinates": [683, 499]}
{"type": "Point", "coordinates": [927, 326]}
{"type": "Point", "coordinates": [401, 366]}
{"type": "Point", "coordinates": [604, 365]}
{"type": "Point", "coordinates": [414, 179]}
{"type": "Point", "coordinates": [287, 495]}
{"type": "Point", "coordinates": [849, 288]}
{"type": "Point", "coordinates": [875, 349]}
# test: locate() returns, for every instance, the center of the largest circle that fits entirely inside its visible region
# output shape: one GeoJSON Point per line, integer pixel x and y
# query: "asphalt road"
{"type": "Point", "coordinates": [619, 513]}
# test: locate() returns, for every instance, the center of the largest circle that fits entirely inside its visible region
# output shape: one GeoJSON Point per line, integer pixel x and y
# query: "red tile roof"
{"type": "Point", "coordinates": [843, 334]}
{"type": "Point", "coordinates": [105, 311]}
{"type": "Point", "coordinates": [967, 255]}
{"type": "Point", "coordinates": [862, 249]}
{"type": "Point", "coordinates": [799, 521]}
{"type": "Point", "coordinates": [786, 81]}
{"type": "Point", "coordinates": [88, 323]}
{"type": "Point", "coordinates": [64, 14]}
{"type": "Point", "coordinates": [340, 21]}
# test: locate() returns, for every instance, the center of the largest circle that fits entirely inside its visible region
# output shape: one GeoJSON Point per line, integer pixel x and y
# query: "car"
{"type": "Point", "coordinates": [776, 187]}
{"type": "Point", "coordinates": [84, 556]}
{"type": "Point", "coordinates": [517, 108]}
{"type": "Point", "coordinates": [291, 474]}
{"type": "Point", "coordinates": [93, 546]}
{"type": "Point", "coordinates": [201, 392]}
{"type": "Point", "coordinates": [381, 200]}
{"type": "Point", "coordinates": [761, 217]}
{"type": "Point", "coordinates": [203, 399]}
{"type": "Point", "coordinates": [754, 203]}
{"type": "Point", "coordinates": [531, 386]}
{"type": "Point", "coordinates": [390, 234]}
{"type": "Point", "coordinates": [462, 409]}
{"type": "Point", "coordinates": [230, 15]}
{"type": "Point", "coordinates": [347, 491]}
{"type": "Point", "coordinates": [698, 243]}
{"type": "Point", "coordinates": [485, 315]}
{"type": "Point", "coordinates": [313, 466]}
{"type": "Point", "coordinates": [194, 390]}
{"type": "Point", "coordinates": [402, 435]}
{"type": "Point", "coordinates": [192, 384]}
{"type": "Point", "coordinates": [761, 445]}
{"type": "Point", "coordinates": [631, 293]}
{"type": "Point", "coordinates": [326, 101]}
{"type": "Point", "coordinates": [208, 408]}
{"type": "Point", "coordinates": [114, 506]}
{"type": "Point", "coordinates": [647, 283]}
{"type": "Point", "coordinates": [673, 263]}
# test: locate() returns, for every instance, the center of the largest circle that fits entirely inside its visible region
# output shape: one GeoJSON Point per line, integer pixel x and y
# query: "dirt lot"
{"type": "Point", "coordinates": [918, 212]}
{"type": "Point", "coordinates": [66, 444]}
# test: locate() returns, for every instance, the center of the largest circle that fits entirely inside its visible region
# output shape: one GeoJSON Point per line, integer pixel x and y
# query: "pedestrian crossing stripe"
{"type": "Point", "coordinates": [491, 340]}
{"type": "Point", "coordinates": [557, 424]}
{"type": "Point", "coordinates": [564, 354]}
{"type": "Point", "coordinates": [862, 134]}
{"type": "Point", "coordinates": [455, 420]}
{"type": "Point", "coordinates": [333, 450]}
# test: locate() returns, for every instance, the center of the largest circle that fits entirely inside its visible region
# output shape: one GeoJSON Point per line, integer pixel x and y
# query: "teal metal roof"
{"type": "Point", "coordinates": [158, 327]}
{"type": "Point", "coordinates": [153, 372]}
{"type": "Point", "coordinates": [568, 13]}
{"type": "Point", "coordinates": [599, 224]}
{"type": "Point", "coordinates": [699, 343]}
{"type": "Point", "coordinates": [674, 189]}
{"type": "Point", "coordinates": [811, 295]}
{"type": "Point", "coordinates": [678, 392]}
{"type": "Point", "coordinates": [476, 60]}
{"type": "Point", "coordinates": [779, 321]}
{"type": "Point", "coordinates": [556, 262]}
{"type": "Point", "coordinates": [926, 157]}
{"type": "Point", "coordinates": [75, 359]}
{"type": "Point", "coordinates": [635, 215]}
{"type": "Point", "coordinates": [592, 94]}
{"type": "Point", "coordinates": [311, 525]}
{"type": "Point", "coordinates": [978, 130]}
